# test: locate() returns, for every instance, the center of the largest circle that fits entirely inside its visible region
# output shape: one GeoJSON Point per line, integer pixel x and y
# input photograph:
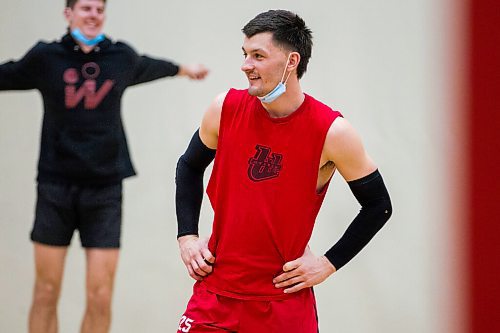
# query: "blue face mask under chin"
{"type": "Point", "coordinates": [273, 94]}
{"type": "Point", "coordinates": [279, 90]}
{"type": "Point", "coordinates": [77, 34]}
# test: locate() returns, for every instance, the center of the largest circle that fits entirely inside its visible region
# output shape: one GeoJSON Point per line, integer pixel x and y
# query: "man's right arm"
{"type": "Point", "coordinates": [22, 74]}
{"type": "Point", "coordinates": [189, 192]}
{"type": "Point", "coordinates": [191, 168]}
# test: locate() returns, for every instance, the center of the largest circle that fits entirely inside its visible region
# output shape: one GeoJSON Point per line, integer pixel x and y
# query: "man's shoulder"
{"type": "Point", "coordinates": [44, 45]}
{"type": "Point", "coordinates": [317, 103]}
{"type": "Point", "coordinates": [234, 97]}
{"type": "Point", "coordinates": [322, 108]}
{"type": "Point", "coordinates": [238, 94]}
{"type": "Point", "coordinates": [55, 45]}
{"type": "Point", "coordinates": [42, 48]}
{"type": "Point", "coordinates": [122, 46]}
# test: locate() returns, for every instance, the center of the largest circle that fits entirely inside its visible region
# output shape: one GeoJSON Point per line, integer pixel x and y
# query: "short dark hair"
{"type": "Point", "coordinates": [289, 31]}
{"type": "Point", "coordinates": [71, 3]}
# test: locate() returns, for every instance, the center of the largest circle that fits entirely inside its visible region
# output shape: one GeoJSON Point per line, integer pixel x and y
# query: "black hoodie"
{"type": "Point", "coordinates": [82, 140]}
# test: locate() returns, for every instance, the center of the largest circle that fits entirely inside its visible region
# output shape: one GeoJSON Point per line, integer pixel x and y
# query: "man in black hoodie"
{"type": "Point", "coordinates": [83, 154]}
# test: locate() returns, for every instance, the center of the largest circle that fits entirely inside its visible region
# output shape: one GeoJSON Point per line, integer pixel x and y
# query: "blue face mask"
{"type": "Point", "coordinates": [278, 90]}
{"type": "Point", "coordinates": [273, 94]}
{"type": "Point", "coordinates": [77, 34]}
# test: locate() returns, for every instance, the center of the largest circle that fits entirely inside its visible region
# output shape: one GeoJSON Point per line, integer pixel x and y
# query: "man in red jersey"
{"type": "Point", "coordinates": [277, 149]}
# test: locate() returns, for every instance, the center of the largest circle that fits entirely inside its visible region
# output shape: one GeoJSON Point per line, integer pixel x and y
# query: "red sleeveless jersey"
{"type": "Point", "coordinates": [263, 192]}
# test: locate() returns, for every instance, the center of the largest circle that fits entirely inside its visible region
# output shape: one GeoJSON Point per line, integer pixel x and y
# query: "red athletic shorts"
{"type": "Point", "coordinates": [209, 312]}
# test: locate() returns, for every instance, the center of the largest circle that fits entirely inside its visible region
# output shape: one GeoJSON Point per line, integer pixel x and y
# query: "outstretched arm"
{"type": "Point", "coordinates": [23, 74]}
{"type": "Point", "coordinates": [189, 192]}
{"type": "Point", "coordinates": [149, 69]}
{"type": "Point", "coordinates": [344, 148]}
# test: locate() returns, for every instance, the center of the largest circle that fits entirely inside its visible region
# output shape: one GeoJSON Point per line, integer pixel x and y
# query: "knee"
{"type": "Point", "coordinates": [99, 300]}
{"type": "Point", "coordinates": [46, 294]}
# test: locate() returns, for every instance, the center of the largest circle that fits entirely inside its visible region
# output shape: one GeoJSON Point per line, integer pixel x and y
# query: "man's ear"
{"type": "Point", "coordinates": [67, 14]}
{"type": "Point", "coordinates": [294, 61]}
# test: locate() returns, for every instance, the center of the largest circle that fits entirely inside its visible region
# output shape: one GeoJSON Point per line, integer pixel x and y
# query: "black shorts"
{"type": "Point", "coordinates": [94, 211]}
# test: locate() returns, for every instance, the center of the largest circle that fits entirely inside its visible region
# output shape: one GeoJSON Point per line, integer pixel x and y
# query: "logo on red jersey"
{"type": "Point", "coordinates": [92, 98]}
{"type": "Point", "coordinates": [264, 165]}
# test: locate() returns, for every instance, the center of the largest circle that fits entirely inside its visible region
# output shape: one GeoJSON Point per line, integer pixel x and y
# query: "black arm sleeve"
{"type": "Point", "coordinates": [376, 209]}
{"type": "Point", "coordinates": [189, 185]}
{"type": "Point", "coordinates": [22, 74]}
{"type": "Point", "coordinates": [149, 69]}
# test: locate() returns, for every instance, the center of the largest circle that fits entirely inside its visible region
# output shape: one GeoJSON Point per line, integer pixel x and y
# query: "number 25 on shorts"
{"type": "Point", "coordinates": [185, 324]}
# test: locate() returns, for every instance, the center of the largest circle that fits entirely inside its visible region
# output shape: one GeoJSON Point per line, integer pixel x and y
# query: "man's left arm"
{"type": "Point", "coordinates": [344, 148]}
{"type": "Point", "coordinates": [149, 69]}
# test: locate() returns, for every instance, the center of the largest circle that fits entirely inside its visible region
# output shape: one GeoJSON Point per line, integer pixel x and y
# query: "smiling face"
{"type": "Point", "coordinates": [264, 63]}
{"type": "Point", "coordinates": [86, 15]}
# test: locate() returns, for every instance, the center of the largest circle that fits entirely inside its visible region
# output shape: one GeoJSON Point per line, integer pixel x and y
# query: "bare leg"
{"type": "Point", "coordinates": [101, 268]}
{"type": "Point", "coordinates": [49, 267]}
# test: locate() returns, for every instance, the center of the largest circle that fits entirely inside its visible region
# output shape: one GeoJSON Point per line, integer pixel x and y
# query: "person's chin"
{"type": "Point", "coordinates": [252, 91]}
{"type": "Point", "coordinates": [91, 34]}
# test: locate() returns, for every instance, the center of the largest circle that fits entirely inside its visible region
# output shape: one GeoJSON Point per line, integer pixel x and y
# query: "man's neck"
{"type": "Point", "coordinates": [287, 103]}
{"type": "Point", "coordinates": [85, 48]}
